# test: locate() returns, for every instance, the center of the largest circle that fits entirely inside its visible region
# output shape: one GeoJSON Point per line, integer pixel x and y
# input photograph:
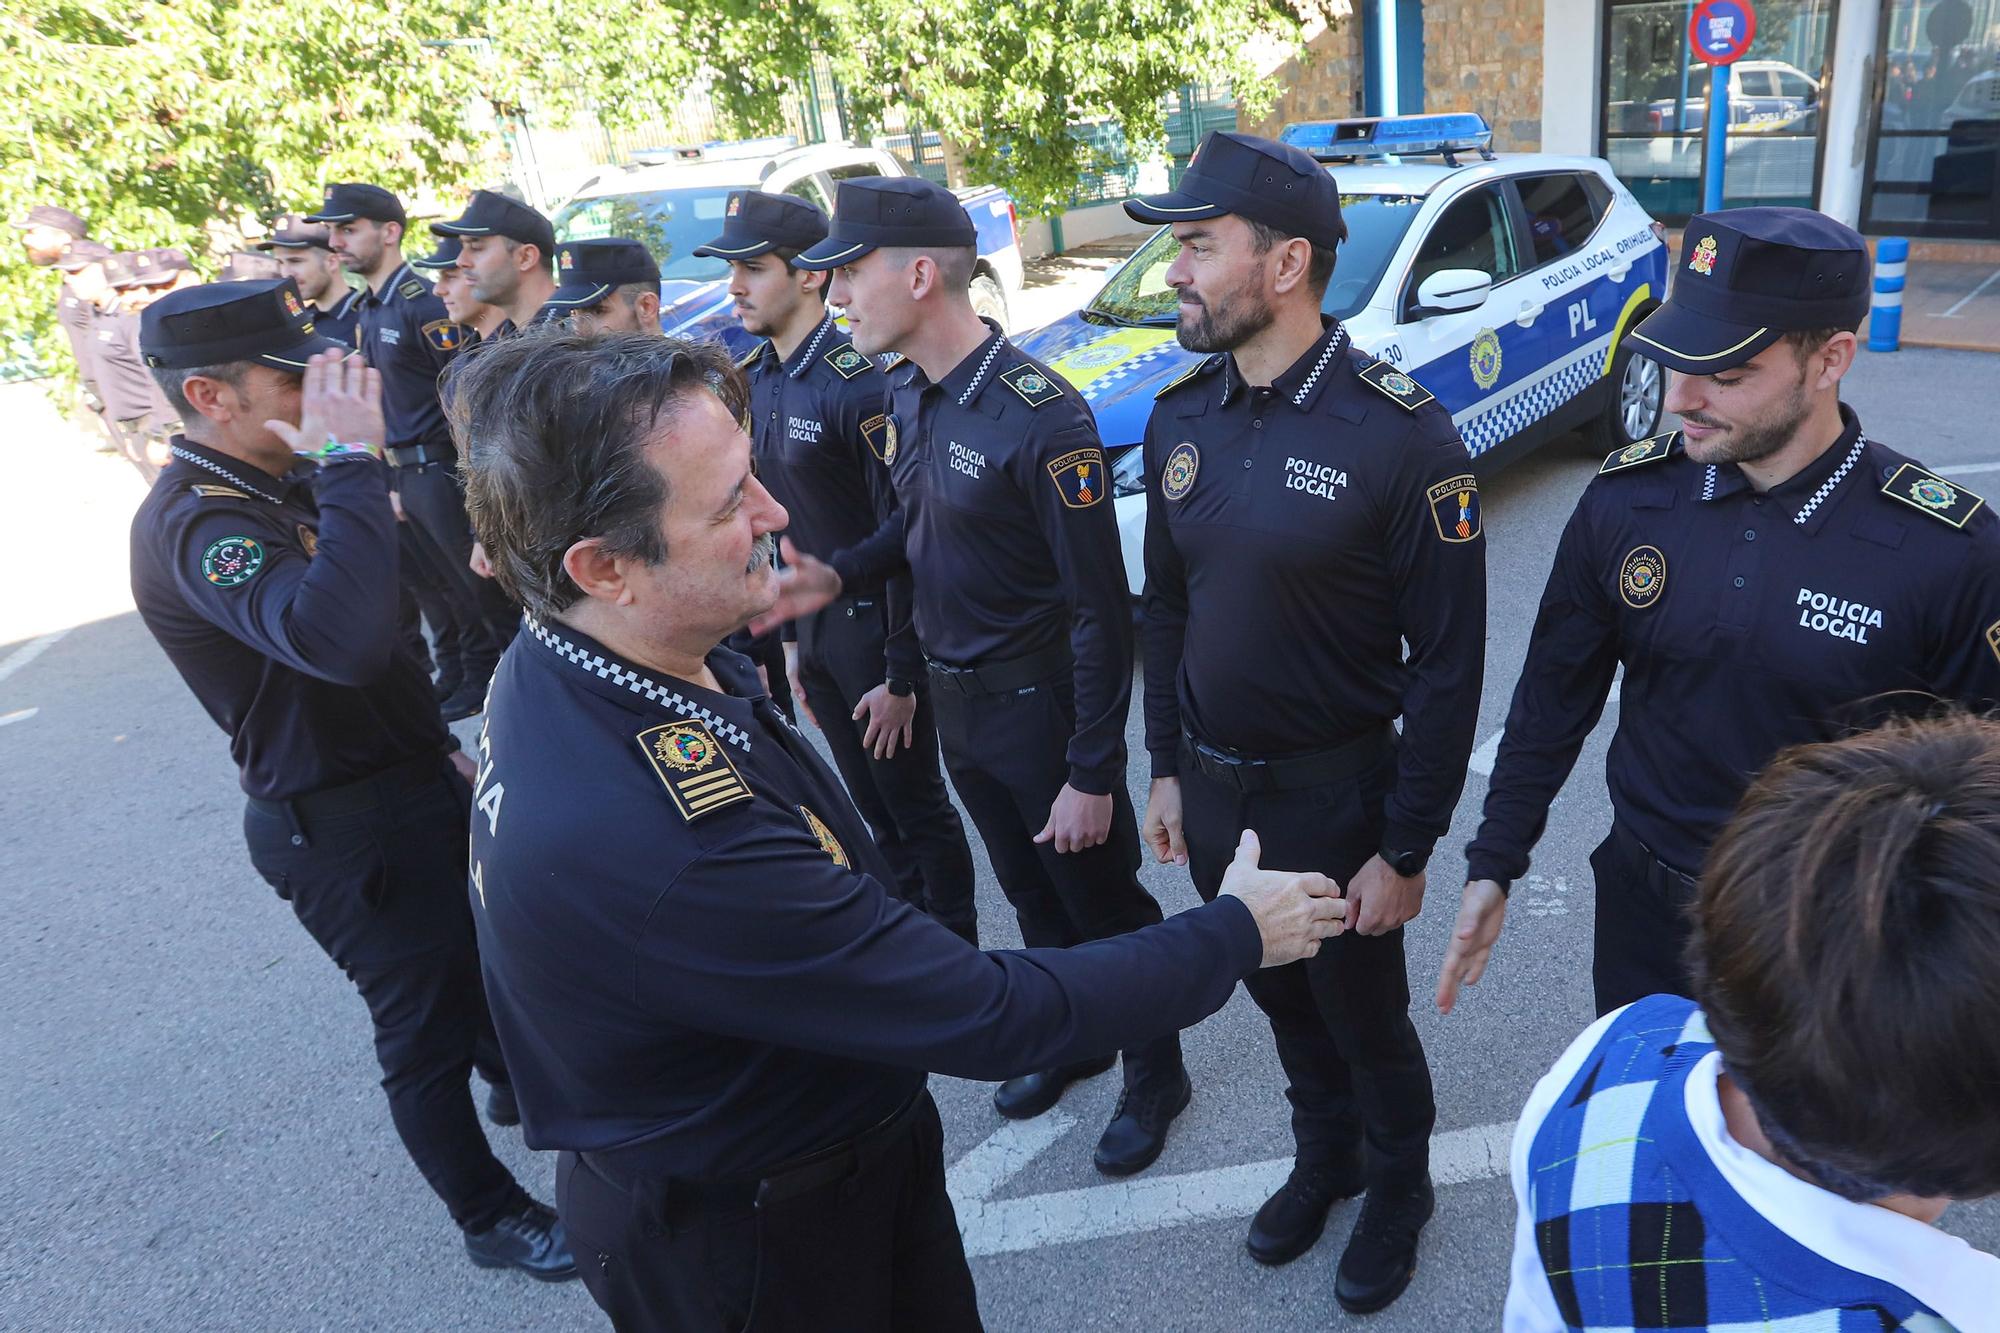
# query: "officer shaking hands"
{"type": "Point", "coordinates": [1766, 576]}
{"type": "Point", "coordinates": [264, 562]}
{"type": "Point", "coordinates": [709, 998]}
{"type": "Point", "coordinates": [1020, 604]}
{"type": "Point", "coordinates": [1308, 511]}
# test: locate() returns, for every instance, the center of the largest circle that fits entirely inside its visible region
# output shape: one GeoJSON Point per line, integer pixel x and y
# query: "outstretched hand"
{"type": "Point", "coordinates": [340, 403]}
{"type": "Point", "coordinates": [805, 584]}
{"type": "Point", "coordinates": [1295, 910]}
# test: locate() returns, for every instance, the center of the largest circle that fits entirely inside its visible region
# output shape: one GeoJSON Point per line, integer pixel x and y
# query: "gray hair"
{"type": "Point", "coordinates": [173, 383]}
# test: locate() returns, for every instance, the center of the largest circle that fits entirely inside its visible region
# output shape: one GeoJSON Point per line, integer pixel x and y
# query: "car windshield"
{"type": "Point", "coordinates": [1138, 292]}
{"type": "Point", "coordinates": [670, 223]}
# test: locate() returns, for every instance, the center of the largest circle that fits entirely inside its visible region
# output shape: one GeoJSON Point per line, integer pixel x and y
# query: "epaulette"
{"type": "Point", "coordinates": [1920, 488]}
{"type": "Point", "coordinates": [1645, 451]}
{"type": "Point", "coordinates": [1034, 387]}
{"type": "Point", "coordinates": [1200, 367]}
{"type": "Point", "coordinates": [212, 492]}
{"type": "Point", "coordinates": [895, 361]}
{"type": "Point", "coordinates": [411, 290]}
{"type": "Point", "coordinates": [695, 767]}
{"type": "Point", "coordinates": [749, 358]}
{"type": "Point", "coordinates": [1398, 387]}
{"type": "Point", "coordinates": [846, 362]}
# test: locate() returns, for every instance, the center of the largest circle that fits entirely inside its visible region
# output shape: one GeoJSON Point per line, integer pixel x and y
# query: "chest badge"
{"type": "Point", "coordinates": [1455, 507]}
{"type": "Point", "coordinates": [310, 540]}
{"type": "Point", "coordinates": [1079, 477]}
{"type": "Point", "coordinates": [827, 842]}
{"type": "Point", "coordinates": [230, 562]}
{"type": "Point", "coordinates": [1643, 577]}
{"type": "Point", "coordinates": [1177, 477]}
{"type": "Point", "coordinates": [1486, 359]}
{"type": "Point", "coordinates": [696, 770]}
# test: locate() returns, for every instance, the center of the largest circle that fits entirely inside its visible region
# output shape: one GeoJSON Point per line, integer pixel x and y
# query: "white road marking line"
{"type": "Point", "coordinates": [1003, 1154]}
{"type": "Point", "coordinates": [1969, 296]}
{"type": "Point", "coordinates": [1967, 469]}
{"type": "Point", "coordinates": [18, 715]}
{"type": "Point", "coordinates": [28, 652]}
{"type": "Point", "coordinates": [1155, 1203]}
{"type": "Point", "coordinates": [1481, 759]}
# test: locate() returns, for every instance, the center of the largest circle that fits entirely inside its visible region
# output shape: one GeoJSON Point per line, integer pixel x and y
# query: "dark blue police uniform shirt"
{"type": "Point", "coordinates": [688, 945]}
{"type": "Point", "coordinates": [340, 321]}
{"type": "Point", "coordinates": [1863, 587]}
{"type": "Point", "coordinates": [1297, 536]}
{"type": "Point", "coordinates": [819, 431]}
{"type": "Point", "coordinates": [275, 598]}
{"type": "Point", "coordinates": [1006, 519]}
{"type": "Point", "coordinates": [404, 332]}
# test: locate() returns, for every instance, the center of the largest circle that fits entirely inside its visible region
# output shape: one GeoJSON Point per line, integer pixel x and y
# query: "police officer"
{"type": "Point", "coordinates": [133, 403]}
{"type": "Point", "coordinates": [403, 330]}
{"type": "Point", "coordinates": [154, 273]}
{"type": "Point", "coordinates": [608, 285]}
{"type": "Point", "coordinates": [478, 319]}
{"type": "Point", "coordinates": [708, 997]}
{"type": "Point", "coordinates": [303, 252]}
{"type": "Point", "coordinates": [263, 564]}
{"type": "Point", "coordinates": [48, 236]}
{"type": "Point", "coordinates": [1020, 604]}
{"type": "Point", "coordinates": [819, 432]}
{"type": "Point", "coordinates": [1309, 510]}
{"type": "Point", "coordinates": [1767, 575]}
{"type": "Point", "coordinates": [508, 249]}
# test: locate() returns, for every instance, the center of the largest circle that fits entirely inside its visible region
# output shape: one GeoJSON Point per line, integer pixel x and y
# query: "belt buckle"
{"type": "Point", "coordinates": [1238, 767]}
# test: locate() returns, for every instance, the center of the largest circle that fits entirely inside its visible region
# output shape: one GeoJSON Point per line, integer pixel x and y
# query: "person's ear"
{"type": "Point", "coordinates": [1291, 262]}
{"type": "Point", "coordinates": [1833, 360]}
{"type": "Point", "coordinates": [596, 573]}
{"type": "Point", "coordinates": [649, 307]}
{"type": "Point", "coordinates": [214, 399]}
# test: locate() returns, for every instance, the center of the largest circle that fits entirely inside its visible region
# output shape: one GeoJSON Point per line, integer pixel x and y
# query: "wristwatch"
{"type": "Point", "coordinates": [902, 689]}
{"type": "Point", "coordinates": [1407, 864]}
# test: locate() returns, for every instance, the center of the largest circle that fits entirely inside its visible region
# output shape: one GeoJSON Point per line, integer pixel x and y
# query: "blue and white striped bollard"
{"type": "Point", "coordinates": [1885, 309]}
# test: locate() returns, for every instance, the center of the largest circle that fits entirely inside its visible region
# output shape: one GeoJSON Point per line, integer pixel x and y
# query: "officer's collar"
{"type": "Point", "coordinates": [970, 377]}
{"type": "Point", "coordinates": [1807, 494]}
{"type": "Point", "coordinates": [1305, 379]}
{"type": "Point", "coordinates": [802, 356]}
{"type": "Point", "coordinates": [378, 296]}
{"type": "Point", "coordinates": [236, 472]}
{"type": "Point", "coordinates": [730, 715]}
{"type": "Point", "coordinates": [339, 307]}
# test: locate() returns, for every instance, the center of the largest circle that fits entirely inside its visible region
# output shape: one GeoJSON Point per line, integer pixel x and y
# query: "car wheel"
{"type": "Point", "coordinates": [1636, 404]}
{"type": "Point", "coordinates": [988, 300]}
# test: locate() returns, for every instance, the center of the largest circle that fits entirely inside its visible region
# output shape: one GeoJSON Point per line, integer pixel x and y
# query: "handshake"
{"type": "Point", "coordinates": [1294, 910]}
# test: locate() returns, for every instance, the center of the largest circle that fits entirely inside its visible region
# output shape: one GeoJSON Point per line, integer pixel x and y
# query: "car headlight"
{"type": "Point", "coordinates": [1128, 471]}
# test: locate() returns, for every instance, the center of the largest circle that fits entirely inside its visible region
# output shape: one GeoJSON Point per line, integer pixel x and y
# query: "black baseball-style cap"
{"type": "Point", "coordinates": [588, 271]}
{"type": "Point", "coordinates": [442, 258]}
{"type": "Point", "coordinates": [224, 322]}
{"type": "Point", "coordinates": [294, 232]}
{"type": "Point", "coordinates": [1748, 277]}
{"type": "Point", "coordinates": [82, 254]}
{"type": "Point", "coordinates": [152, 268]}
{"type": "Point", "coordinates": [1269, 182]}
{"type": "Point", "coordinates": [490, 213]}
{"type": "Point", "coordinates": [756, 223]}
{"type": "Point", "coordinates": [351, 200]}
{"type": "Point", "coordinates": [874, 211]}
{"type": "Point", "coordinates": [48, 215]}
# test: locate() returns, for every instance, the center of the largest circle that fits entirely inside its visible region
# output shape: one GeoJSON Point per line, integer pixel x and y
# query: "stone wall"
{"type": "Point", "coordinates": [1321, 83]}
{"type": "Point", "coordinates": [1486, 56]}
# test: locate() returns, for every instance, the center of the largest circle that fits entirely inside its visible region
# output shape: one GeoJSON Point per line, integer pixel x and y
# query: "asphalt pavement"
{"type": "Point", "coordinates": [190, 1132]}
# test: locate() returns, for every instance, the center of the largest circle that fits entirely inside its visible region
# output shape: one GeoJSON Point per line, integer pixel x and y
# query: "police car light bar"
{"type": "Point", "coordinates": [717, 150]}
{"type": "Point", "coordinates": [1393, 136]}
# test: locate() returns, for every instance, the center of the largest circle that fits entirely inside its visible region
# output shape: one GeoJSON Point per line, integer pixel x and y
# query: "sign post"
{"type": "Point", "coordinates": [1719, 33]}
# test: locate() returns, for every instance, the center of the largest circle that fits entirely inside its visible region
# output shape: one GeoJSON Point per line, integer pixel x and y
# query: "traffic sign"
{"type": "Point", "coordinates": [1720, 30]}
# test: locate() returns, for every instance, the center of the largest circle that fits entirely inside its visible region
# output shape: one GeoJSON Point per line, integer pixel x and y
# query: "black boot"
{"type": "Point", "coordinates": [1028, 1095]}
{"type": "Point", "coordinates": [1381, 1255]}
{"type": "Point", "coordinates": [1290, 1222]}
{"type": "Point", "coordinates": [1137, 1133]}
{"type": "Point", "coordinates": [500, 1106]}
{"type": "Point", "coordinates": [532, 1240]}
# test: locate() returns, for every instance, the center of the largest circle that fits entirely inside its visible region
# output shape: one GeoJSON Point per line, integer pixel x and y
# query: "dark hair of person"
{"type": "Point", "coordinates": [551, 428]}
{"type": "Point", "coordinates": [786, 254]}
{"type": "Point", "coordinates": [1804, 342]}
{"type": "Point", "coordinates": [1847, 954]}
{"type": "Point", "coordinates": [1319, 269]}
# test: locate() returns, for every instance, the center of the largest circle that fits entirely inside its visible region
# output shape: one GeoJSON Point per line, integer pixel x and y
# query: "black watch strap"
{"type": "Point", "coordinates": [902, 689]}
{"type": "Point", "coordinates": [1408, 864]}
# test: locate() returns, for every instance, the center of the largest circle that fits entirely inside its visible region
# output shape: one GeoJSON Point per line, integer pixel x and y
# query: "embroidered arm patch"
{"type": "Point", "coordinates": [444, 335]}
{"type": "Point", "coordinates": [1455, 507]}
{"type": "Point", "coordinates": [1079, 477]}
{"type": "Point", "coordinates": [880, 434]}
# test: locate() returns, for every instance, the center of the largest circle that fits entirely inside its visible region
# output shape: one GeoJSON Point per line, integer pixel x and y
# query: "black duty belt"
{"type": "Point", "coordinates": [376, 791]}
{"type": "Point", "coordinates": [419, 455]}
{"type": "Point", "coordinates": [1667, 881]}
{"type": "Point", "coordinates": [1248, 773]}
{"type": "Point", "coordinates": [1000, 677]}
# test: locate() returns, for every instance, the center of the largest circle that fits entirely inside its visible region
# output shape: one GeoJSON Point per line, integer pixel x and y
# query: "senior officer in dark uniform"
{"type": "Point", "coordinates": [1767, 576]}
{"type": "Point", "coordinates": [303, 252]}
{"type": "Point", "coordinates": [1308, 510]}
{"type": "Point", "coordinates": [708, 995]}
{"type": "Point", "coordinates": [263, 563]}
{"type": "Point", "coordinates": [1020, 602]}
{"type": "Point", "coordinates": [819, 431]}
{"type": "Point", "coordinates": [403, 330]}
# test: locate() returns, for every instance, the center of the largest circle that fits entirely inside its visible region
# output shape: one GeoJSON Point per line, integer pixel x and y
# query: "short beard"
{"type": "Point", "coordinates": [493, 296]}
{"type": "Point", "coordinates": [1758, 440]}
{"type": "Point", "coordinates": [1241, 317]}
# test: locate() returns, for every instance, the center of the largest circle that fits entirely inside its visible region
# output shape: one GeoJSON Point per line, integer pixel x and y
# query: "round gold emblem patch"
{"type": "Point", "coordinates": [1643, 577]}
{"type": "Point", "coordinates": [1177, 477]}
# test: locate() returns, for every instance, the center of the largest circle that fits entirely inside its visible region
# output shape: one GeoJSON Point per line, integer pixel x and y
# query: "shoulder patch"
{"type": "Point", "coordinates": [846, 362]}
{"type": "Point", "coordinates": [1405, 392]}
{"type": "Point", "coordinates": [1200, 367]}
{"type": "Point", "coordinates": [444, 335]}
{"type": "Point", "coordinates": [697, 771]}
{"type": "Point", "coordinates": [209, 492]}
{"type": "Point", "coordinates": [1079, 477]}
{"type": "Point", "coordinates": [411, 290]}
{"type": "Point", "coordinates": [1034, 386]}
{"type": "Point", "coordinates": [828, 843]}
{"type": "Point", "coordinates": [1920, 488]}
{"type": "Point", "coordinates": [1645, 451]}
{"type": "Point", "coordinates": [1455, 507]}
{"type": "Point", "coordinates": [230, 562]}
{"type": "Point", "coordinates": [879, 433]}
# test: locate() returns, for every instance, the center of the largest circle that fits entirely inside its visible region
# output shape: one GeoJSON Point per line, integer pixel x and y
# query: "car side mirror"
{"type": "Point", "coordinates": [1451, 290]}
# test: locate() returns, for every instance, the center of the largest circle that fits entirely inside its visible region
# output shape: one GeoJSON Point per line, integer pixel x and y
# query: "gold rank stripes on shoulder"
{"type": "Point", "coordinates": [694, 767]}
{"type": "Point", "coordinates": [411, 290]}
{"type": "Point", "coordinates": [1924, 490]}
{"type": "Point", "coordinates": [1398, 387]}
{"type": "Point", "coordinates": [209, 492]}
{"type": "Point", "coordinates": [1032, 384]}
{"type": "Point", "coordinates": [1645, 451]}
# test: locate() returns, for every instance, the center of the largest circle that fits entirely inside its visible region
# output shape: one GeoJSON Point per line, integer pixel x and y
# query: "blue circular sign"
{"type": "Point", "coordinates": [1720, 30]}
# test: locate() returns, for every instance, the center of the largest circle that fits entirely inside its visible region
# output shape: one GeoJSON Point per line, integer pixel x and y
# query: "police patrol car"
{"type": "Point", "coordinates": [1505, 283]}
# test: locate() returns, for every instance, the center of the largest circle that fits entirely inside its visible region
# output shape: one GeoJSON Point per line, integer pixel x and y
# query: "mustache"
{"type": "Point", "coordinates": [763, 552]}
{"type": "Point", "coordinates": [1700, 420]}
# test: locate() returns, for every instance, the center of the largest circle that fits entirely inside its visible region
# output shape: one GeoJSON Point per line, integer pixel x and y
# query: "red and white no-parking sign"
{"type": "Point", "coordinates": [1720, 30]}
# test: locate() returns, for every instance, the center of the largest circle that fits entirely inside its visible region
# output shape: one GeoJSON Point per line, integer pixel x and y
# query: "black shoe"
{"type": "Point", "coordinates": [464, 704]}
{"type": "Point", "coordinates": [1137, 1133]}
{"type": "Point", "coordinates": [532, 1240]}
{"type": "Point", "coordinates": [500, 1107]}
{"type": "Point", "coordinates": [1029, 1095]}
{"type": "Point", "coordinates": [447, 684]}
{"type": "Point", "coordinates": [1381, 1255]}
{"type": "Point", "coordinates": [1290, 1222]}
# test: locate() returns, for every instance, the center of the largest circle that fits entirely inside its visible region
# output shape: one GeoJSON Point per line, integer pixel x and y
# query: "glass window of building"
{"type": "Point", "coordinates": [1932, 162]}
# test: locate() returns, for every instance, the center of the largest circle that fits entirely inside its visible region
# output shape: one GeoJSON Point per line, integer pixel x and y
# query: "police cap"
{"type": "Point", "coordinates": [490, 213]}
{"type": "Point", "coordinates": [119, 270]}
{"type": "Point", "coordinates": [82, 254]}
{"type": "Point", "coordinates": [154, 268]}
{"type": "Point", "coordinates": [874, 211]}
{"type": "Point", "coordinates": [1748, 277]}
{"type": "Point", "coordinates": [756, 223]}
{"type": "Point", "coordinates": [48, 215]}
{"type": "Point", "coordinates": [293, 232]}
{"type": "Point", "coordinates": [1260, 179]}
{"type": "Point", "coordinates": [442, 258]}
{"type": "Point", "coordinates": [224, 322]}
{"type": "Point", "coordinates": [588, 271]}
{"type": "Point", "coordinates": [246, 266]}
{"type": "Point", "coordinates": [350, 200]}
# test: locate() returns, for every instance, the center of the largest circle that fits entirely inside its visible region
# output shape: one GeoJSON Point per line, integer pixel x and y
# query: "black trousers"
{"type": "Point", "coordinates": [903, 798]}
{"type": "Point", "coordinates": [1356, 1068]}
{"type": "Point", "coordinates": [1008, 757]}
{"type": "Point", "coordinates": [377, 875]}
{"type": "Point", "coordinates": [1643, 923]}
{"type": "Point", "coordinates": [433, 499]}
{"type": "Point", "coordinates": [876, 1251]}
{"type": "Point", "coordinates": [420, 602]}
